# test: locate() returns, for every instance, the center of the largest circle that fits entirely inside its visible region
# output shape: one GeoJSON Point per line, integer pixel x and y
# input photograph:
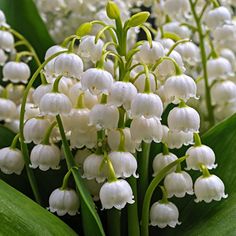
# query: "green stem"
{"type": "Point", "coordinates": [66, 180]}
{"type": "Point", "coordinates": [149, 192]}
{"type": "Point", "coordinates": [164, 195]}
{"type": "Point", "coordinates": [27, 44]}
{"type": "Point", "coordinates": [205, 171]}
{"type": "Point", "coordinates": [55, 88]}
{"type": "Point", "coordinates": [121, 147]}
{"type": "Point", "coordinates": [22, 54]}
{"type": "Point", "coordinates": [24, 147]}
{"type": "Point", "coordinates": [197, 140]}
{"type": "Point", "coordinates": [121, 123]}
{"type": "Point", "coordinates": [165, 149]}
{"type": "Point", "coordinates": [133, 220]}
{"type": "Point", "coordinates": [112, 174]}
{"type": "Point", "coordinates": [14, 142]}
{"type": "Point", "coordinates": [113, 222]}
{"type": "Point", "coordinates": [211, 117]}
{"type": "Point", "coordinates": [47, 135]}
{"type": "Point", "coordinates": [143, 165]}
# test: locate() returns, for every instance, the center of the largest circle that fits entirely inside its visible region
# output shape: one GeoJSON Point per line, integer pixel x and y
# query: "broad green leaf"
{"type": "Point", "coordinates": [215, 218]}
{"type": "Point", "coordinates": [22, 216]}
{"type": "Point", "coordinates": [23, 16]}
{"type": "Point", "coordinates": [91, 221]}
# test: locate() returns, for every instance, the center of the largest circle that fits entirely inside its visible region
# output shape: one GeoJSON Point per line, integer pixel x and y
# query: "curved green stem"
{"type": "Point", "coordinates": [209, 106]}
{"type": "Point", "coordinates": [48, 133]}
{"type": "Point", "coordinates": [27, 44]}
{"type": "Point", "coordinates": [149, 192]}
{"type": "Point", "coordinates": [14, 141]}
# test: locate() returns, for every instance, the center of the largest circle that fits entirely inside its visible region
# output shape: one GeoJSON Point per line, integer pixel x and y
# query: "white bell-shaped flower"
{"type": "Point", "coordinates": [225, 35]}
{"type": "Point", "coordinates": [80, 140]}
{"type": "Point", "coordinates": [49, 67]}
{"type": "Point", "coordinates": [64, 201]}
{"type": "Point", "coordinates": [209, 188]}
{"type": "Point", "coordinates": [77, 119]}
{"type": "Point", "coordinates": [124, 164]}
{"type": "Point", "coordinates": [113, 140]}
{"type": "Point", "coordinates": [122, 93]}
{"type": "Point", "coordinates": [184, 119]}
{"type": "Point", "coordinates": [116, 194]}
{"type": "Point", "coordinates": [104, 116]}
{"type": "Point", "coordinates": [53, 50]}
{"type": "Point", "coordinates": [40, 91]}
{"type": "Point", "coordinates": [95, 168]}
{"type": "Point", "coordinates": [8, 109]}
{"type": "Point", "coordinates": [217, 17]}
{"type": "Point", "coordinates": [219, 68]}
{"type": "Point", "coordinates": [11, 160]}
{"type": "Point", "coordinates": [96, 81]}
{"type": "Point", "coordinates": [164, 214]}
{"type": "Point", "coordinates": [54, 104]}
{"type": "Point", "coordinates": [148, 54]}
{"type": "Point", "coordinates": [89, 99]}
{"type": "Point", "coordinates": [45, 157]}
{"type": "Point", "coordinates": [139, 83]}
{"type": "Point", "coordinates": [34, 129]}
{"type": "Point", "coordinates": [16, 72]}
{"type": "Point", "coordinates": [68, 64]}
{"type": "Point", "coordinates": [166, 42]}
{"type": "Point", "coordinates": [230, 56]}
{"type": "Point", "coordinates": [31, 110]}
{"type": "Point", "coordinates": [93, 187]}
{"type": "Point", "coordinates": [198, 155]}
{"type": "Point", "coordinates": [81, 155]}
{"type": "Point", "coordinates": [146, 129]}
{"type": "Point", "coordinates": [223, 92]}
{"type": "Point", "coordinates": [147, 105]}
{"type": "Point", "coordinates": [178, 184]}
{"type": "Point", "coordinates": [162, 160]}
{"type": "Point", "coordinates": [6, 41]}
{"type": "Point", "coordinates": [89, 50]}
{"type": "Point", "coordinates": [176, 139]}
{"type": "Point", "coordinates": [180, 87]}
{"type": "Point", "coordinates": [189, 52]}
{"type": "Point", "coordinates": [167, 68]}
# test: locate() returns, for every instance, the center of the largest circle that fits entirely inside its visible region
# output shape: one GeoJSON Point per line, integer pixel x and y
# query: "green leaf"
{"type": "Point", "coordinates": [23, 16]}
{"type": "Point", "coordinates": [22, 216]}
{"type": "Point", "coordinates": [91, 221]}
{"type": "Point", "coordinates": [6, 136]}
{"type": "Point", "coordinates": [215, 218]}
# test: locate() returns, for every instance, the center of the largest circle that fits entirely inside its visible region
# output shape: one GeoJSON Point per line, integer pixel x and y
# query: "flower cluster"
{"type": "Point", "coordinates": [105, 97]}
